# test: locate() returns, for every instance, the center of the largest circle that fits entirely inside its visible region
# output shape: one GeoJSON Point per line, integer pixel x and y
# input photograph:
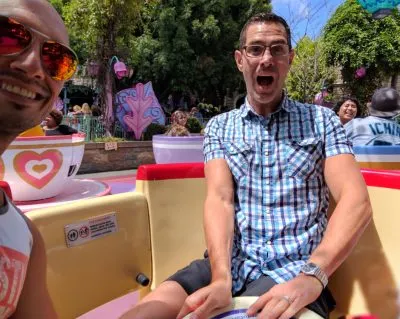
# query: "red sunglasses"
{"type": "Point", "coordinates": [59, 61]}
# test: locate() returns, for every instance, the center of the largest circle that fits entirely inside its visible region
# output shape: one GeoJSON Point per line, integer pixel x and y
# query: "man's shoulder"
{"type": "Point", "coordinates": [301, 107]}
{"type": "Point", "coordinates": [224, 117]}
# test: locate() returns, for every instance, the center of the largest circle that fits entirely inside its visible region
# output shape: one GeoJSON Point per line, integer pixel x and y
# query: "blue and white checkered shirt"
{"type": "Point", "coordinates": [281, 198]}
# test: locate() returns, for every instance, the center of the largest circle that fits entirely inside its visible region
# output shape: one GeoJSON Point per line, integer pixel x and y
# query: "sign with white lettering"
{"type": "Point", "coordinates": [88, 230]}
{"type": "Point", "coordinates": [109, 146]}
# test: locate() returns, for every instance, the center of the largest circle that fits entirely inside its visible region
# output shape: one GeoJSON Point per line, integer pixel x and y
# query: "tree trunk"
{"type": "Point", "coordinates": [394, 80]}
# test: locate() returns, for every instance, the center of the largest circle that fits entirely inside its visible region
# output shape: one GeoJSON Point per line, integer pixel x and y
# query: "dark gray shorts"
{"type": "Point", "coordinates": [198, 275]}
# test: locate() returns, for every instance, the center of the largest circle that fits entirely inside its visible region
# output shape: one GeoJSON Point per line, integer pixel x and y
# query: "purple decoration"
{"type": "Point", "coordinates": [178, 149]}
{"type": "Point", "coordinates": [320, 97]}
{"type": "Point", "coordinates": [360, 73]}
{"type": "Point", "coordinates": [139, 102]}
{"type": "Point", "coordinates": [120, 70]}
{"type": "Point", "coordinates": [58, 104]}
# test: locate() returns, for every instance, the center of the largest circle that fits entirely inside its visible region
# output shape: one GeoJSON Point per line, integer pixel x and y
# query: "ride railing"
{"type": "Point", "coordinates": [94, 128]}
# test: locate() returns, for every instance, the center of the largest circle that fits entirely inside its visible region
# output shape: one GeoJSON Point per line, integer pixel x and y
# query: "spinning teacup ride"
{"type": "Point", "coordinates": [41, 169]}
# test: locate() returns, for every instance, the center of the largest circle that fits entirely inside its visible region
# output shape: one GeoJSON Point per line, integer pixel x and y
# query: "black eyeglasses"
{"type": "Point", "coordinates": [258, 50]}
{"type": "Point", "coordinates": [59, 61]}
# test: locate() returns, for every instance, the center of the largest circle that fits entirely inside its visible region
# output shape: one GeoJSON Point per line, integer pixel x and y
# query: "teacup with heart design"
{"type": "Point", "coordinates": [39, 167]}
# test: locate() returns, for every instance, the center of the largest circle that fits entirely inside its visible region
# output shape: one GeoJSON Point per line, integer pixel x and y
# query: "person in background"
{"type": "Point", "coordinates": [35, 61]}
{"type": "Point", "coordinates": [54, 127]}
{"type": "Point", "coordinates": [380, 127]}
{"type": "Point", "coordinates": [270, 167]}
{"type": "Point", "coordinates": [194, 112]}
{"type": "Point", "coordinates": [347, 109]}
{"type": "Point", "coordinates": [86, 109]}
{"type": "Point", "coordinates": [96, 111]}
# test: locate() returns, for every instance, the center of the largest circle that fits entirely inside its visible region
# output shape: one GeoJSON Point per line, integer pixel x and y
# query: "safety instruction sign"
{"type": "Point", "coordinates": [88, 230]}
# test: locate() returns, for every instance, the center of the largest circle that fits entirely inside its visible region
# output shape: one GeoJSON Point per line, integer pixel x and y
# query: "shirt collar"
{"type": "Point", "coordinates": [246, 109]}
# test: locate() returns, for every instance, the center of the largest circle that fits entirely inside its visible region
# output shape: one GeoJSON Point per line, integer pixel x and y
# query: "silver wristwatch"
{"type": "Point", "coordinates": [311, 269]}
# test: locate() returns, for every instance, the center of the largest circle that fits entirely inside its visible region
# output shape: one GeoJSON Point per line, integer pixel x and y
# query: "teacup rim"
{"type": "Point", "coordinates": [49, 138]}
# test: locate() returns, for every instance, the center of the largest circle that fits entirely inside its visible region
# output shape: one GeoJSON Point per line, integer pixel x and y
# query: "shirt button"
{"type": "Point", "coordinates": [269, 242]}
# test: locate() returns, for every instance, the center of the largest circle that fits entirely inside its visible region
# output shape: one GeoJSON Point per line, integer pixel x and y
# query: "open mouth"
{"type": "Point", "coordinates": [17, 90]}
{"type": "Point", "coordinates": [265, 81]}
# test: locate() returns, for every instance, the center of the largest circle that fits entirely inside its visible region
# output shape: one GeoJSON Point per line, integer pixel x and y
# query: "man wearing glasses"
{"type": "Point", "coordinates": [34, 63]}
{"type": "Point", "coordinates": [269, 168]}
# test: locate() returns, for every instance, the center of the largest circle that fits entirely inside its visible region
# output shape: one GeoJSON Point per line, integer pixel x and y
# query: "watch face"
{"type": "Point", "coordinates": [308, 268]}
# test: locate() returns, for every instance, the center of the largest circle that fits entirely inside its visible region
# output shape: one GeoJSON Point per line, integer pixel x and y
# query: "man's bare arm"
{"type": "Point", "coordinates": [218, 228]}
{"type": "Point", "coordinates": [219, 217]}
{"type": "Point", "coordinates": [35, 300]}
{"type": "Point", "coordinates": [351, 216]}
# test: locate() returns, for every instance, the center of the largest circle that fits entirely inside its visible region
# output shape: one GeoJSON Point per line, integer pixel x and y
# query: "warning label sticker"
{"type": "Point", "coordinates": [88, 230]}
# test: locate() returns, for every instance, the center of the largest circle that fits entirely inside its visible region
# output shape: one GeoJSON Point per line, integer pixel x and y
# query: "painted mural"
{"type": "Point", "coordinates": [137, 107]}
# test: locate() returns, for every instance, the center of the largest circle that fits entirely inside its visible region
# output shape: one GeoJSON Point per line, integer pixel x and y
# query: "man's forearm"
{"type": "Point", "coordinates": [346, 225]}
{"type": "Point", "coordinates": [218, 228]}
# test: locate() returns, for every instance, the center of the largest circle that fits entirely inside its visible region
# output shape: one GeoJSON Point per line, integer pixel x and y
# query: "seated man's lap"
{"type": "Point", "coordinates": [198, 275]}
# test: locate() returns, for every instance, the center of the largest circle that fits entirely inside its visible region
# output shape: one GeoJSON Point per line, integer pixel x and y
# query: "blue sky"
{"type": "Point", "coordinates": [306, 17]}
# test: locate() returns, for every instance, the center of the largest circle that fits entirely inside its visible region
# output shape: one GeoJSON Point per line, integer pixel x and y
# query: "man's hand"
{"type": "Point", "coordinates": [203, 302]}
{"type": "Point", "coordinates": [283, 301]}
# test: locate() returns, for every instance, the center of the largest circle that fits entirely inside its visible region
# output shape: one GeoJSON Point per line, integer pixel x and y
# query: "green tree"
{"type": "Point", "coordinates": [353, 39]}
{"type": "Point", "coordinates": [99, 30]}
{"type": "Point", "coordinates": [308, 72]}
{"type": "Point", "coordinates": [188, 45]}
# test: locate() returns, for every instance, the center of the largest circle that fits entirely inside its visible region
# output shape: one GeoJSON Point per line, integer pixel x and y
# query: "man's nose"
{"type": "Point", "coordinates": [29, 62]}
{"type": "Point", "coordinates": [266, 58]}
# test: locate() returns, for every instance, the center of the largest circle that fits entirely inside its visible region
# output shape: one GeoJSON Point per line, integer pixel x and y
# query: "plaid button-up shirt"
{"type": "Point", "coordinates": [281, 198]}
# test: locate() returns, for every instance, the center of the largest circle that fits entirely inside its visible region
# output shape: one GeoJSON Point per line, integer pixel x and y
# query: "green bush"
{"type": "Point", "coordinates": [193, 125]}
{"type": "Point", "coordinates": [109, 139]}
{"type": "Point", "coordinates": [154, 129]}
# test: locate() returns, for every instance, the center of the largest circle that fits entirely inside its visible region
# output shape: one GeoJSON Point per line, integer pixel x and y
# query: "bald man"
{"type": "Point", "coordinates": [34, 63]}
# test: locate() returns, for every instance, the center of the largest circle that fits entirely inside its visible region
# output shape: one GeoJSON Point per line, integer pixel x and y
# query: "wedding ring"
{"type": "Point", "coordinates": [287, 298]}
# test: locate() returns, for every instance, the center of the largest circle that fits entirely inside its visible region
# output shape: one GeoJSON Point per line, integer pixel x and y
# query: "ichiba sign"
{"type": "Point", "coordinates": [88, 230]}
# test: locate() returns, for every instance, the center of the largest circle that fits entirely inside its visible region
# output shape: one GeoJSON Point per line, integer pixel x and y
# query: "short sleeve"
{"type": "Point", "coordinates": [336, 141]}
{"type": "Point", "coordinates": [213, 147]}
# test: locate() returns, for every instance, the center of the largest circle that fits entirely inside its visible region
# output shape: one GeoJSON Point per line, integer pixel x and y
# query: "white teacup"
{"type": "Point", "coordinates": [39, 167]}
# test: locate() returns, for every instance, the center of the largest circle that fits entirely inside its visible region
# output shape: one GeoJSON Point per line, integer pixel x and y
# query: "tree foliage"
{"type": "Point", "coordinates": [308, 72]}
{"type": "Point", "coordinates": [188, 45]}
{"type": "Point", "coordinates": [353, 39]}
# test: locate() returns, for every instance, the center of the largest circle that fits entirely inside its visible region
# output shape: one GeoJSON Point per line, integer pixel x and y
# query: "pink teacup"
{"type": "Point", "coordinates": [39, 167]}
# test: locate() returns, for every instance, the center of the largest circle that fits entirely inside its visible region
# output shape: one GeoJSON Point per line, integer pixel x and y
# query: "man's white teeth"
{"type": "Point", "coordinates": [18, 90]}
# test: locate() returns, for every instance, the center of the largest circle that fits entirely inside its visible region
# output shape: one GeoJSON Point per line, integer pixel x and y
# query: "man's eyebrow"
{"type": "Point", "coordinates": [260, 42]}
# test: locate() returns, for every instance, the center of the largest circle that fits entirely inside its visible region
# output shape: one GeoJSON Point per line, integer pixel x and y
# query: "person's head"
{"type": "Point", "coordinates": [385, 103]}
{"type": "Point", "coordinates": [77, 109]}
{"type": "Point", "coordinates": [264, 58]}
{"type": "Point", "coordinates": [96, 111]}
{"type": "Point", "coordinates": [54, 119]}
{"type": "Point", "coordinates": [86, 108]}
{"type": "Point", "coordinates": [34, 63]}
{"type": "Point", "coordinates": [347, 109]}
{"type": "Point", "coordinates": [179, 117]}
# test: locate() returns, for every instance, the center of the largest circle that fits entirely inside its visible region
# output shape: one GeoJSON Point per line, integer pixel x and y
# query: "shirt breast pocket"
{"type": "Point", "coordinates": [239, 155]}
{"type": "Point", "coordinates": [304, 158]}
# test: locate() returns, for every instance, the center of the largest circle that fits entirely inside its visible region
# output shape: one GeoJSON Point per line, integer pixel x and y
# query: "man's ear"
{"type": "Point", "coordinates": [291, 56]}
{"type": "Point", "coordinates": [239, 60]}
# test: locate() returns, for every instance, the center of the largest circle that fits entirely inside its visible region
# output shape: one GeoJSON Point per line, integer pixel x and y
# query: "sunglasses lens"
{"type": "Point", "coordinates": [60, 62]}
{"type": "Point", "coordinates": [14, 37]}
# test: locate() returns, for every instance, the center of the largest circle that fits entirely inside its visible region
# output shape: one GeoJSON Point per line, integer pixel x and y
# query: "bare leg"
{"type": "Point", "coordinates": [163, 303]}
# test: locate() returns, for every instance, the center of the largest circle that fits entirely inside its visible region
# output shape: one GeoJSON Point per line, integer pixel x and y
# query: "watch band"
{"type": "Point", "coordinates": [312, 269]}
